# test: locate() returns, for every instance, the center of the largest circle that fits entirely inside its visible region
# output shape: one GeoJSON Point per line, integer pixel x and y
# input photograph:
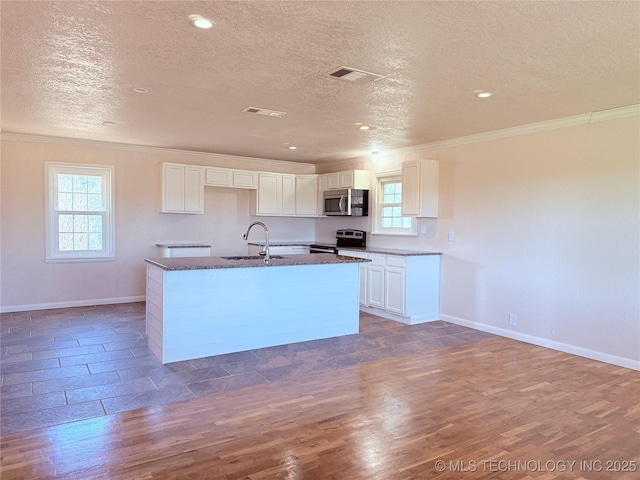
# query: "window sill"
{"type": "Point", "coordinates": [79, 259]}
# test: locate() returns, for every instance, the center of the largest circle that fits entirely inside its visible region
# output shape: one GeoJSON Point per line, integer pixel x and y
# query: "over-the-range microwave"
{"type": "Point", "coordinates": [348, 202]}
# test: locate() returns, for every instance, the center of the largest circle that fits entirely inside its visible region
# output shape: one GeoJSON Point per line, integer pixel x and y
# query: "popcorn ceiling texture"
{"type": "Point", "coordinates": [68, 66]}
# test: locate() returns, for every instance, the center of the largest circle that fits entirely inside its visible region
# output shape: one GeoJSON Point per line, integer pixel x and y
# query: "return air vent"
{"type": "Point", "coordinates": [264, 111]}
{"type": "Point", "coordinates": [354, 75]}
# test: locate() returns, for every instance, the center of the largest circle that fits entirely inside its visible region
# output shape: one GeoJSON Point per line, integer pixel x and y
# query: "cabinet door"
{"type": "Point", "coordinates": [375, 286]}
{"type": "Point", "coordinates": [346, 179]}
{"type": "Point", "coordinates": [269, 198]}
{"type": "Point", "coordinates": [244, 179]}
{"type": "Point", "coordinates": [193, 190]}
{"type": "Point", "coordinates": [306, 195]}
{"type": "Point", "coordinates": [394, 290]}
{"type": "Point", "coordinates": [333, 181]}
{"type": "Point", "coordinates": [363, 284]}
{"type": "Point", "coordinates": [218, 177]}
{"type": "Point", "coordinates": [411, 188]}
{"type": "Point", "coordinates": [288, 194]}
{"type": "Point", "coordinates": [420, 188]}
{"type": "Point", "coordinates": [172, 188]}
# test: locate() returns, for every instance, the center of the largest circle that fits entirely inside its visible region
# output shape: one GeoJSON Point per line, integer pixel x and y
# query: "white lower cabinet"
{"type": "Point", "coordinates": [402, 288]}
{"type": "Point", "coordinates": [375, 282]}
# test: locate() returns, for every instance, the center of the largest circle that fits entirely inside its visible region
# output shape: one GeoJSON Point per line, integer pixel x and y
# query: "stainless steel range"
{"type": "Point", "coordinates": [351, 238]}
{"type": "Point", "coordinates": [345, 238]}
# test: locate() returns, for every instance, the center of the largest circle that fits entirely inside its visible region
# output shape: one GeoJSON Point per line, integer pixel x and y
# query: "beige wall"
{"type": "Point", "coordinates": [28, 282]}
{"type": "Point", "coordinates": [547, 226]}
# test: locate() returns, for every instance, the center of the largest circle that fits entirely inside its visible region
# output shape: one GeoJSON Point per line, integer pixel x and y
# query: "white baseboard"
{"type": "Point", "coordinates": [399, 318]}
{"type": "Point", "coordinates": [73, 303]}
{"type": "Point", "coordinates": [544, 342]}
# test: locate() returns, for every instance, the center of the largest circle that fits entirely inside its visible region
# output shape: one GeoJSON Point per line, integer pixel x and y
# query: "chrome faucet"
{"type": "Point", "coordinates": [264, 252]}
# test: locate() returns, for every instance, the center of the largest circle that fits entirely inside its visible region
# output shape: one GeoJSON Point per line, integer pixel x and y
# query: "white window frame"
{"type": "Point", "coordinates": [53, 253]}
{"type": "Point", "coordinates": [378, 229]}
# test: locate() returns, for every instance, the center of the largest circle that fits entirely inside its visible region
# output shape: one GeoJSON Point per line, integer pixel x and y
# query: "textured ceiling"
{"type": "Point", "coordinates": [68, 67]}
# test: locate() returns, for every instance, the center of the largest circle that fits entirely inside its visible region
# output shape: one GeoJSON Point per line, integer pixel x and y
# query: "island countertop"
{"type": "Point", "coordinates": [205, 263]}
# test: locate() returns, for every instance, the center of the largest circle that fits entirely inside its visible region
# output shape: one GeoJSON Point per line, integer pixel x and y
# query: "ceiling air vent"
{"type": "Point", "coordinates": [354, 75]}
{"type": "Point", "coordinates": [264, 111]}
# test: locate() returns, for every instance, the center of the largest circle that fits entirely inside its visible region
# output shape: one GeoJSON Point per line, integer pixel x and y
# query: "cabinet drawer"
{"type": "Point", "coordinates": [394, 261]}
{"type": "Point", "coordinates": [376, 259]}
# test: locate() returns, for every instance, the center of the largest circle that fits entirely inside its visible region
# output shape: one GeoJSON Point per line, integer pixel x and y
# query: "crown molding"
{"type": "Point", "coordinates": [582, 119]}
{"type": "Point", "coordinates": [20, 137]}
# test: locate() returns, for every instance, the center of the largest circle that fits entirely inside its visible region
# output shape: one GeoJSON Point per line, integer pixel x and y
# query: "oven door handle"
{"type": "Point", "coordinates": [340, 204]}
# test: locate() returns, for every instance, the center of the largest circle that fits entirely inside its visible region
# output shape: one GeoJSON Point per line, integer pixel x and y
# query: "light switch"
{"type": "Point", "coordinates": [423, 229]}
{"type": "Point", "coordinates": [452, 235]}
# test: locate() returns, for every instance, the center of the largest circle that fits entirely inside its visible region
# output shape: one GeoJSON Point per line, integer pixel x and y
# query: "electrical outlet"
{"type": "Point", "coordinates": [513, 319]}
{"type": "Point", "coordinates": [452, 235]}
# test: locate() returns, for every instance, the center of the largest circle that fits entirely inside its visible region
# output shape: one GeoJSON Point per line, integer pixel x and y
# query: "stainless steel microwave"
{"type": "Point", "coordinates": [348, 202]}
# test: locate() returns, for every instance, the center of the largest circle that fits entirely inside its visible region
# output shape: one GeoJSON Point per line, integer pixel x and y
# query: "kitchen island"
{"type": "Point", "coordinates": [203, 306]}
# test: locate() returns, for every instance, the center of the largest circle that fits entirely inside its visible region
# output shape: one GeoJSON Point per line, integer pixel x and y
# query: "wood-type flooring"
{"type": "Point", "coordinates": [492, 408]}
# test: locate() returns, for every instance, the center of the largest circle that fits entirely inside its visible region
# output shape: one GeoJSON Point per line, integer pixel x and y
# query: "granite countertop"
{"type": "Point", "coordinates": [206, 263]}
{"type": "Point", "coordinates": [183, 245]}
{"type": "Point", "coordinates": [391, 251]}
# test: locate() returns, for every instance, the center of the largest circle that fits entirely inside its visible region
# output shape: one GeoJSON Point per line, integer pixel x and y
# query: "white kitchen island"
{"type": "Point", "coordinates": [203, 306]}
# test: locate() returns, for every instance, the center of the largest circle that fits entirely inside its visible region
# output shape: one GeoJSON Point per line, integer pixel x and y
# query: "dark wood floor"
{"type": "Point", "coordinates": [64, 365]}
{"type": "Point", "coordinates": [490, 408]}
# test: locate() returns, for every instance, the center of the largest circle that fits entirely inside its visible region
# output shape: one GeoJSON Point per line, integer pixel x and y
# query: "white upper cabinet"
{"type": "Point", "coordinates": [288, 194]}
{"type": "Point", "coordinates": [285, 194]}
{"type": "Point", "coordinates": [420, 188]}
{"type": "Point", "coordinates": [306, 195]}
{"type": "Point", "coordinates": [267, 200]}
{"type": "Point", "coordinates": [348, 179]}
{"type": "Point", "coordinates": [228, 177]}
{"type": "Point", "coordinates": [182, 188]}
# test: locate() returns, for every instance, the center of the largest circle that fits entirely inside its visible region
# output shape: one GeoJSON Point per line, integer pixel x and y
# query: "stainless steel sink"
{"type": "Point", "coordinates": [251, 257]}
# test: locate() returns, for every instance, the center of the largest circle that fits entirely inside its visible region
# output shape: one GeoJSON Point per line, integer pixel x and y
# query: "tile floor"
{"type": "Point", "coordinates": [63, 365]}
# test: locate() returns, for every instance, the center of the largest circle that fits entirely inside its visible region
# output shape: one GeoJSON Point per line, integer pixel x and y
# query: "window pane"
{"type": "Point", "coordinates": [80, 241]}
{"type": "Point", "coordinates": [80, 201]}
{"type": "Point", "coordinates": [65, 223]}
{"type": "Point", "coordinates": [65, 183]}
{"type": "Point", "coordinates": [397, 222]}
{"type": "Point", "coordinates": [397, 198]}
{"type": "Point", "coordinates": [79, 184]}
{"type": "Point", "coordinates": [95, 241]}
{"type": "Point", "coordinates": [94, 185]}
{"type": "Point", "coordinates": [66, 241]}
{"type": "Point", "coordinates": [95, 223]}
{"type": "Point", "coordinates": [386, 222]}
{"type": "Point", "coordinates": [94, 203]}
{"type": "Point", "coordinates": [397, 211]}
{"type": "Point", "coordinates": [387, 211]}
{"type": "Point", "coordinates": [65, 201]}
{"type": "Point", "coordinates": [388, 188]}
{"type": "Point", "coordinates": [80, 223]}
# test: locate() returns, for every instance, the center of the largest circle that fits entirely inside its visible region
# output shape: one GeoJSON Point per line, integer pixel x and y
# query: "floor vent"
{"type": "Point", "coordinates": [264, 111]}
{"type": "Point", "coordinates": [354, 75]}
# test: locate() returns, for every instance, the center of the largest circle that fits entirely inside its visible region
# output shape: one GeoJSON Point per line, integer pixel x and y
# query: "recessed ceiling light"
{"type": "Point", "coordinates": [375, 156]}
{"type": "Point", "coordinates": [108, 122]}
{"type": "Point", "coordinates": [483, 94]}
{"type": "Point", "coordinates": [292, 147]}
{"type": "Point", "coordinates": [199, 21]}
{"type": "Point", "coordinates": [364, 127]}
{"type": "Point", "coordinates": [139, 90]}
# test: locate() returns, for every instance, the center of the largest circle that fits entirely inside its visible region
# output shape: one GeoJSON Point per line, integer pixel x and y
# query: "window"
{"type": "Point", "coordinates": [79, 212]}
{"type": "Point", "coordinates": [388, 212]}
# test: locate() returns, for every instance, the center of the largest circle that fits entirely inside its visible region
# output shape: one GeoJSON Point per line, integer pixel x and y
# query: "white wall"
{"type": "Point", "coordinates": [27, 282]}
{"type": "Point", "coordinates": [547, 226]}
